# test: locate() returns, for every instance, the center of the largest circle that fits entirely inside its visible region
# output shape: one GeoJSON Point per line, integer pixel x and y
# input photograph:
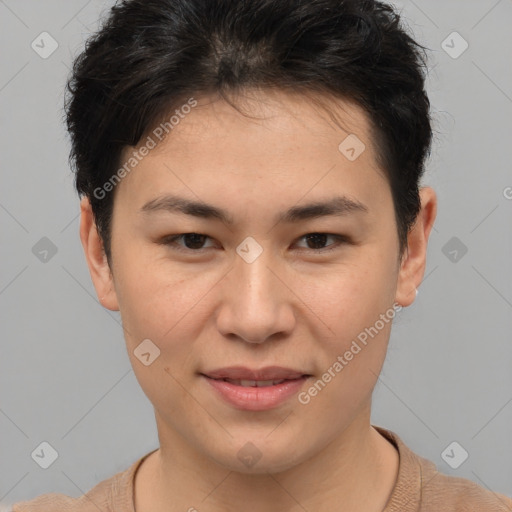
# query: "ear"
{"type": "Point", "coordinates": [96, 258]}
{"type": "Point", "coordinates": [414, 261]}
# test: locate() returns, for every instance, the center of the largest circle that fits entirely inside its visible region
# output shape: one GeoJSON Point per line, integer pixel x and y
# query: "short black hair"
{"type": "Point", "coordinates": [149, 56]}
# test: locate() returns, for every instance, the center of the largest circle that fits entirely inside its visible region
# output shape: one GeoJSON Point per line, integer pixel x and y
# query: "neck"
{"type": "Point", "coordinates": [355, 472]}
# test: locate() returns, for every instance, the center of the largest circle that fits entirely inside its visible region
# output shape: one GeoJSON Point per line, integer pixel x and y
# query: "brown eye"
{"type": "Point", "coordinates": [189, 241]}
{"type": "Point", "coordinates": [317, 241]}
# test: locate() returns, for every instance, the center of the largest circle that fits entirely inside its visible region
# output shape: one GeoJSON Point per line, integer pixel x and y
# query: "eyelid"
{"type": "Point", "coordinates": [170, 240]}
{"type": "Point", "coordinates": [340, 240]}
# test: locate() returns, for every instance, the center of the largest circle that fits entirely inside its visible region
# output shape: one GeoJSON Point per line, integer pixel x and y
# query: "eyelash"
{"type": "Point", "coordinates": [170, 240]}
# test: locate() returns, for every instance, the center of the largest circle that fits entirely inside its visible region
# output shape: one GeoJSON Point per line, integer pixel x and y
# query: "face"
{"type": "Point", "coordinates": [290, 258]}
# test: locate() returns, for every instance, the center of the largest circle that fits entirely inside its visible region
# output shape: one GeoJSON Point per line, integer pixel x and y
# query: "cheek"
{"type": "Point", "coordinates": [354, 306]}
{"type": "Point", "coordinates": [349, 363]}
{"type": "Point", "coordinates": [347, 300]}
{"type": "Point", "coordinates": [161, 303]}
{"type": "Point", "coordinates": [162, 308]}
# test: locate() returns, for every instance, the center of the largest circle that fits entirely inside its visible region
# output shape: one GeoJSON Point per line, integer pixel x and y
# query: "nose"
{"type": "Point", "coordinates": [256, 303]}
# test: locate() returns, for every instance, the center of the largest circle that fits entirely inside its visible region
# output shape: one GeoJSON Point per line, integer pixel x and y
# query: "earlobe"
{"type": "Point", "coordinates": [412, 268]}
{"type": "Point", "coordinates": [96, 258]}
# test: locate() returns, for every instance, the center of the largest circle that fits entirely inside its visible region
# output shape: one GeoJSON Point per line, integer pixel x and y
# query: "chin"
{"type": "Point", "coordinates": [258, 457]}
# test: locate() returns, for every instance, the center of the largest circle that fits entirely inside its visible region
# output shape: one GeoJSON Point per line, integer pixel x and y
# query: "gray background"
{"type": "Point", "coordinates": [65, 377]}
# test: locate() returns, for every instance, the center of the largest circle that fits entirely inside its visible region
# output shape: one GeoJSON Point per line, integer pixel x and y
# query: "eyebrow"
{"type": "Point", "coordinates": [339, 206]}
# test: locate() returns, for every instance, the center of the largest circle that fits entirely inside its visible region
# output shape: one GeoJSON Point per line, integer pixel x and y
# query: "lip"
{"type": "Point", "coordinates": [244, 373]}
{"type": "Point", "coordinates": [256, 398]}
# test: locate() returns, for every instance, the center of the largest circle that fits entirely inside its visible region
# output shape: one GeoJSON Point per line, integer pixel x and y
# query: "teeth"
{"type": "Point", "coordinates": [254, 383]}
{"type": "Point", "coordinates": [247, 383]}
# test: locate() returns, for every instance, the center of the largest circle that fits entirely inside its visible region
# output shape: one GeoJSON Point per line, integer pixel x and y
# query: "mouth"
{"type": "Point", "coordinates": [253, 392]}
{"type": "Point", "coordinates": [267, 374]}
{"type": "Point", "coordinates": [254, 383]}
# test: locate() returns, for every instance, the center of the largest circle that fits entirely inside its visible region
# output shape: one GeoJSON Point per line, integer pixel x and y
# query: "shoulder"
{"type": "Point", "coordinates": [461, 494]}
{"type": "Point", "coordinates": [420, 487]}
{"type": "Point", "coordinates": [110, 495]}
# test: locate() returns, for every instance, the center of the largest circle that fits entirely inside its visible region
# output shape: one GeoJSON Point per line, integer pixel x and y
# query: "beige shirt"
{"type": "Point", "coordinates": [419, 488]}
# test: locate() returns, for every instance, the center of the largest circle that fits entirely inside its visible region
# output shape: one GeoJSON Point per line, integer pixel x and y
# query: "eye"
{"type": "Point", "coordinates": [192, 241]}
{"type": "Point", "coordinates": [318, 241]}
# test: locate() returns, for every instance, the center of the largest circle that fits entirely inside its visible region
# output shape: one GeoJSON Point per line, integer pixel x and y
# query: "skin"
{"type": "Point", "coordinates": [293, 306]}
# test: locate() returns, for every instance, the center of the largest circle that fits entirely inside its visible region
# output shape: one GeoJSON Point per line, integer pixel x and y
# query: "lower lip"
{"type": "Point", "coordinates": [253, 398]}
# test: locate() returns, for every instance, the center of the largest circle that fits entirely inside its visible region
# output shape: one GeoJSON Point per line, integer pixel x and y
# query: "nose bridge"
{"type": "Point", "coordinates": [255, 306]}
{"type": "Point", "coordinates": [251, 269]}
{"type": "Point", "coordinates": [255, 281]}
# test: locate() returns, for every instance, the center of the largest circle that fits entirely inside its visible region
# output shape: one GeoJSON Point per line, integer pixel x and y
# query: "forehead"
{"type": "Point", "coordinates": [290, 114]}
{"type": "Point", "coordinates": [278, 142]}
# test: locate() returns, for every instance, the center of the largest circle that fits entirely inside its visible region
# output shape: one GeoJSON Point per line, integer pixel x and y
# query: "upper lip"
{"type": "Point", "coordinates": [243, 373]}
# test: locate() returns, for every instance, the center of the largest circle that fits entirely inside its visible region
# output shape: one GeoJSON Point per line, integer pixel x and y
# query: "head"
{"type": "Point", "coordinates": [291, 139]}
